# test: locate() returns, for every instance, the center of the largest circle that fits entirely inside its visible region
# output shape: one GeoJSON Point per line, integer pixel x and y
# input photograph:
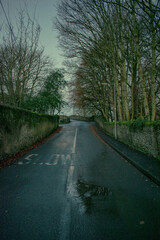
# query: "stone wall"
{"type": "Point", "coordinates": [20, 129]}
{"type": "Point", "coordinates": [146, 140]}
{"type": "Point", "coordinates": [64, 119]}
{"type": "Point", "coordinates": [81, 118]}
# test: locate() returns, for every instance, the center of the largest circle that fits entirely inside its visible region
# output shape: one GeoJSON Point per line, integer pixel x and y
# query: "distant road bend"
{"type": "Point", "coordinates": [74, 187]}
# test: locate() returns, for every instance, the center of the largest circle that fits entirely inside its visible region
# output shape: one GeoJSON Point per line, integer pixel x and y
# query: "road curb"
{"type": "Point", "coordinates": [147, 173]}
{"type": "Point", "coordinates": [155, 179]}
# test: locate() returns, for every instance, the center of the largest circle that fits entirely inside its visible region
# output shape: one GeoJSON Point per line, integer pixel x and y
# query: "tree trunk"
{"type": "Point", "coordinates": [153, 73]}
{"type": "Point", "coordinates": [118, 100]}
{"type": "Point", "coordinates": [142, 80]}
{"type": "Point", "coordinates": [124, 93]}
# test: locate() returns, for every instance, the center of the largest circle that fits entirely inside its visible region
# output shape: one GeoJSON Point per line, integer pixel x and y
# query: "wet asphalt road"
{"type": "Point", "coordinates": [75, 187]}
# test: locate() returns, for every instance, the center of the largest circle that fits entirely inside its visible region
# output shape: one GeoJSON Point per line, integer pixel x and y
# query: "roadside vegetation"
{"type": "Point", "coordinates": [113, 48]}
{"type": "Point", "coordinates": [138, 124]}
{"type": "Point", "coordinates": [49, 97]}
{"type": "Point", "coordinates": [28, 78]}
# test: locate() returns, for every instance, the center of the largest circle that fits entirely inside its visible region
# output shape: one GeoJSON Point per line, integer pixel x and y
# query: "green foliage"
{"type": "Point", "coordinates": [137, 124]}
{"type": "Point", "coordinates": [49, 98]}
{"type": "Point", "coordinates": [155, 124]}
{"type": "Point", "coordinates": [140, 123]}
{"type": "Point", "coordinates": [109, 123]}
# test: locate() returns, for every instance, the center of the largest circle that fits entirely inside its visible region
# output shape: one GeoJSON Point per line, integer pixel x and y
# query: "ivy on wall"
{"type": "Point", "coordinates": [138, 124]}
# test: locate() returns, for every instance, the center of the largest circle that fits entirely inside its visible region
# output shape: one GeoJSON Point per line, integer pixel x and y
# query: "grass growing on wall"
{"type": "Point", "coordinates": [137, 124]}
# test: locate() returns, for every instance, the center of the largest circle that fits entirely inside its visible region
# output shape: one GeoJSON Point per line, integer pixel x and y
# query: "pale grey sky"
{"type": "Point", "coordinates": [45, 13]}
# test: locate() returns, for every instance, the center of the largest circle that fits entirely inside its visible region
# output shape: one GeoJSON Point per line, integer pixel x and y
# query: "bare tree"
{"type": "Point", "coordinates": [21, 60]}
{"type": "Point", "coordinates": [116, 43]}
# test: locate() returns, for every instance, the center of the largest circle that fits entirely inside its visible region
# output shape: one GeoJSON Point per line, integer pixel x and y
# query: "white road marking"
{"type": "Point", "coordinates": [56, 160]}
{"type": "Point", "coordinates": [68, 157]}
{"type": "Point", "coordinates": [35, 161]}
{"type": "Point", "coordinates": [65, 222]}
{"type": "Point", "coordinates": [20, 163]}
{"type": "Point", "coordinates": [74, 142]}
{"type": "Point", "coordinates": [52, 161]}
{"type": "Point", "coordinates": [29, 156]}
{"type": "Point", "coordinates": [48, 164]}
{"type": "Point", "coordinates": [63, 158]}
{"type": "Point", "coordinates": [70, 187]}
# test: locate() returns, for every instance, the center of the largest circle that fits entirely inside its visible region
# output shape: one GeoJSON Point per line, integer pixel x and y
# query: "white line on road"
{"type": "Point", "coordinates": [70, 180]}
{"type": "Point", "coordinates": [48, 164]}
{"type": "Point", "coordinates": [52, 161]}
{"type": "Point", "coordinates": [57, 159]}
{"type": "Point", "coordinates": [66, 214]}
{"type": "Point", "coordinates": [20, 163]}
{"type": "Point", "coordinates": [74, 142]}
{"type": "Point", "coordinates": [68, 157]}
{"type": "Point", "coordinates": [29, 156]}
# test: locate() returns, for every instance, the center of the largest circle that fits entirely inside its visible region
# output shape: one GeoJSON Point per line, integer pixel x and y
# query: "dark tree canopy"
{"type": "Point", "coordinates": [116, 45]}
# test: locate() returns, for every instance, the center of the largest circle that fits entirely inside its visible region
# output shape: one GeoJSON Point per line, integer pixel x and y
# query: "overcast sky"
{"type": "Point", "coordinates": [45, 14]}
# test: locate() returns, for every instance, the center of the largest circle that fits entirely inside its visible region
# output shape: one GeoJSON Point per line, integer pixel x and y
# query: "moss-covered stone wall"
{"type": "Point", "coordinates": [20, 129]}
{"type": "Point", "coordinates": [143, 136]}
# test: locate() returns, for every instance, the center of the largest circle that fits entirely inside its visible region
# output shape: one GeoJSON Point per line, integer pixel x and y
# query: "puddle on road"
{"type": "Point", "coordinates": [91, 195]}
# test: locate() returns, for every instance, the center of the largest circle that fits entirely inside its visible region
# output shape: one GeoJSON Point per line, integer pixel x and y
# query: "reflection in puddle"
{"type": "Point", "coordinates": [88, 192]}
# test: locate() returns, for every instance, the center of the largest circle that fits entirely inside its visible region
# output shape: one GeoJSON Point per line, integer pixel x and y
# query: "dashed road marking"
{"type": "Point", "coordinates": [74, 142]}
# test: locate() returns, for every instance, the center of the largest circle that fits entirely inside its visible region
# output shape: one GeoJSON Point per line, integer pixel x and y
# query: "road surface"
{"type": "Point", "coordinates": [75, 187]}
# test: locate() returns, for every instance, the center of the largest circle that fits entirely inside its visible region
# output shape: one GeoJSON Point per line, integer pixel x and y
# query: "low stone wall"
{"type": "Point", "coordinates": [20, 129]}
{"type": "Point", "coordinates": [146, 140]}
{"type": "Point", "coordinates": [81, 118]}
{"type": "Point", "coordinates": [64, 119]}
